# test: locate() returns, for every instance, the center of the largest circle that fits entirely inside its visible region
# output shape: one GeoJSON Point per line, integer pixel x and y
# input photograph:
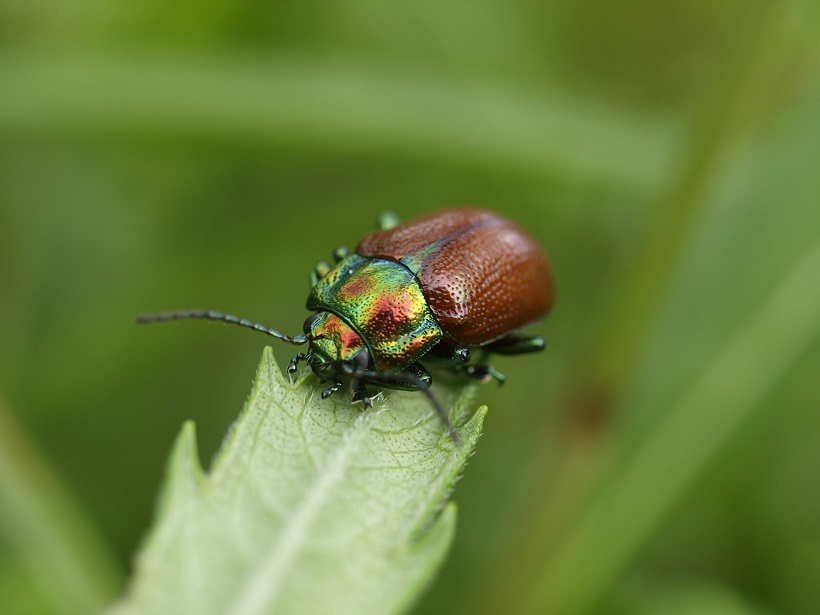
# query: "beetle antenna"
{"type": "Point", "coordinates": [296, 340]}
{"type": "Point", "coordinates": [442, 414]}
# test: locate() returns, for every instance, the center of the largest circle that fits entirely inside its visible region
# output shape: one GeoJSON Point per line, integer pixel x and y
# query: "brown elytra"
{"type": "Point", "coordinates": [483, 276]}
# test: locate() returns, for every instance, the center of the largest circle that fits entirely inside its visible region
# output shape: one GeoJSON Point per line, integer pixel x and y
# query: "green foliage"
{"type": "Point", "coordinates": [311, 507]}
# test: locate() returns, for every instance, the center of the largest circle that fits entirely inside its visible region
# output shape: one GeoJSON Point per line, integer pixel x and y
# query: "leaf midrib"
{"type": "Point", "coordinates": [262, 589]}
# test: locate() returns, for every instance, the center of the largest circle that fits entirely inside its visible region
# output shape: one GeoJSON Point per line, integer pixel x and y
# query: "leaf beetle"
{"type": "Point", "coordinates": [437, 288]}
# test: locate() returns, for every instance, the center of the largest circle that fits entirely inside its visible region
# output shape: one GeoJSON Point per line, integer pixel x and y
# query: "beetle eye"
{"type": "Point", "coordinates": [310, 322]}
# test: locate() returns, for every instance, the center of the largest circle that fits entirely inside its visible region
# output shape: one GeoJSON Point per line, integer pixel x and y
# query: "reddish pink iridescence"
{"type": "Point", "coordinates": [486, 277]}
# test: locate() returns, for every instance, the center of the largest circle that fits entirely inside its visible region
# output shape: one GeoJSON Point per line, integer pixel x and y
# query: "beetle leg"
{"type": "Point", "coordinates": [516, 344]}
{"type": "Point", "coordinates": [319, 271]}
{"type": "Point", "coordinates": [387, 220]}
{"type": "Point", "coordinates": [412, 378]}
{"type": "Point", "coordinates": [360, 395]}
{"type": "Point", "coordinates": [415, 377]}
{"type": "Point", "coordinates": [340, 253]}
{"type": "Point", "coordinates": [332, 389]}
{"type": "Point", "coordinates": [294, 362]}
{"type": "Point", "coordinates": [482, 373]}
{"type": "Point", "coordinates": [448, 356]}
{"type": "Point", "coordinates": [357, 389]}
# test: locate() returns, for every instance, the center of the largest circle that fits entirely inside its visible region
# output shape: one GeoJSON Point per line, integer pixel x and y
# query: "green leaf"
{"type": "Point", "coordinates": [312, 506]}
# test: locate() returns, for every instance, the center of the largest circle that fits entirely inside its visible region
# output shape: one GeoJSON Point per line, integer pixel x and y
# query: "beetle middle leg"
{"type": "Point", "coordinates": [331, 389]}
{"type": "Point", "coordinates": [359, 392]}
{"type": "Point", "coordinates": [458, 359]}
{"type": "Point", "coordinates": [414, 378]}
{"type": "Point", "coordinates": [481, 372]}
{"type": "Point", "coordinates": [360, 395]}
{"type": "Point", "coordinates": [448, 356]}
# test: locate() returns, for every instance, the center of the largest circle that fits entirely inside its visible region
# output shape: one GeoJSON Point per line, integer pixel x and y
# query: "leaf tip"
{"type": "Point", "coordinates": [184, 466]}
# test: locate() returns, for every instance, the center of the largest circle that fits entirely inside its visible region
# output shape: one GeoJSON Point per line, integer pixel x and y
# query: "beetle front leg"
{"type": "Point", "coordinates": [294, 363]}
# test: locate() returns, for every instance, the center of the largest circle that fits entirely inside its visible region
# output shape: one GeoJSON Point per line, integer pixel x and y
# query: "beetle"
{"type": "Point", "coordinates": [437, 288]}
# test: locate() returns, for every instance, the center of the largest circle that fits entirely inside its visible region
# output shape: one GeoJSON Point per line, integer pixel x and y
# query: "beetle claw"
{"type": "Point", "coordinates": [482, 373]}
{"type": "Point", "coordinates": [362, 396]}
{"type": "Point", "coordinates": [332, 389]}
{"type": "Point", "coordinates": [293, 366]}
{"type": "Point", "coordinates": [340, 253]}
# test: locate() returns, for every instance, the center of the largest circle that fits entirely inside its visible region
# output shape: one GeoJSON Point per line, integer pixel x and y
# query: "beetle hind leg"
{"type": "Point", "coordinates": [414, 378]}
{"type": "Point", "coordinates": [360, 395]}
{"type": "Point", "coordinates": [516, 344]}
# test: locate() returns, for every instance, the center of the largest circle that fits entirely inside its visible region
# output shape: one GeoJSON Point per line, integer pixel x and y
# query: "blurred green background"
{"type": "Point", "coordinates": [662, 456]}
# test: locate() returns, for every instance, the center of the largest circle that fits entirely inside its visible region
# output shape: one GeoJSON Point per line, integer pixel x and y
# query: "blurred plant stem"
{"type": "Point", "coordinates": [742, 92]}
{"type": "Point", "coordinates": [58, 545]}
{"type": "Point", "coordinates": [333, 106]}
{"type": "Point", "coordinates": [641, 491]}
{"type": "Point", "coordinates": [584, 532]}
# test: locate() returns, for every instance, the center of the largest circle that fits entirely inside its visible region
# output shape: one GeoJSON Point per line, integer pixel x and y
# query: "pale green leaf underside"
{"type": "Point", "coordinates": [312, 506]}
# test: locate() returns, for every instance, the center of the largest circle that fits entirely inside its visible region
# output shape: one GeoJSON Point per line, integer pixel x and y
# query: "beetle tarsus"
{"type": "Point", "coordinates": [387, 220]}
{"type": "Point", "coordinates": [340, 253]}
{"type": "Point", "coordinates": [294, 362]}
{"type": "Point", "coordinates": [482, 373]}
{"type": "Point", "coordinates": [319, 271]}
{"type": "Point", "coordinates": [517, 344]}
{"type": "Point", "coordinates": [362, 396]}
{"type": "Point", "coordinates": [331, 390]}
{"type": "Point", "coordinates": [448, 356]}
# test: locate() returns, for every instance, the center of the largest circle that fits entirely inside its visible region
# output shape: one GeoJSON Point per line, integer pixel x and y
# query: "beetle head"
{"type": "Point", "coordinates": [333, 344]}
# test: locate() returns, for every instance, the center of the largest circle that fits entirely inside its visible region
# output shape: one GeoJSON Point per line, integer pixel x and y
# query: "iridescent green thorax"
{"type": "Point", "coordinates": [383, 302]}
